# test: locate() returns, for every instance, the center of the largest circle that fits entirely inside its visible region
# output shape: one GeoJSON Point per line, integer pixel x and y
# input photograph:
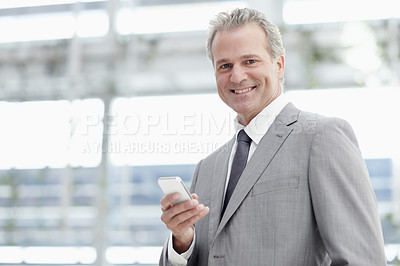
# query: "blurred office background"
{"type": "Point", "coordinates": [99, 98]}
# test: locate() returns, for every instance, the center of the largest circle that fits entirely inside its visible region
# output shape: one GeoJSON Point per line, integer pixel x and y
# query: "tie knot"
{"type": "Point", "coordinates": [242, 136]}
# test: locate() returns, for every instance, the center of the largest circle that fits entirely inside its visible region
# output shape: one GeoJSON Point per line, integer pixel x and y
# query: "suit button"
{"type": "Point", "coordinates": [219, 256]}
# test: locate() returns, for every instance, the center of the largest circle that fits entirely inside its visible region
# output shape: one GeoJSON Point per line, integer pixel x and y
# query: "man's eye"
{"type": "Point", "coordinates": [224, 66]}
{"type": "Point", "coordinates": [251, 61]}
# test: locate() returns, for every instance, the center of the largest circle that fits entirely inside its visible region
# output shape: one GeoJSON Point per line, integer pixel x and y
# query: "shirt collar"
{"type": "Point", "coordinates": [260, 124]}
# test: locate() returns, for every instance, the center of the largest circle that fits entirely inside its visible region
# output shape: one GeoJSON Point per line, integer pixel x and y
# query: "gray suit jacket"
{"type": "Point", "coordinates": [304, 199]}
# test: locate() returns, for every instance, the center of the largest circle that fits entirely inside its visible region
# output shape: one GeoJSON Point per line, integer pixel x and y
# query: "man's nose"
{"type": "Point", "coordinates": [238, 74]}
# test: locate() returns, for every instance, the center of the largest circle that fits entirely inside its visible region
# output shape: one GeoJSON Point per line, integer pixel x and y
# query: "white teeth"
{"type": "Point", "coordinates": [243, 91]}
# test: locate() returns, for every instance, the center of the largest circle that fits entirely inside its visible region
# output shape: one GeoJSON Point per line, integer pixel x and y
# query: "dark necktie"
{"type": "Point", "coordinates": [238, 164]}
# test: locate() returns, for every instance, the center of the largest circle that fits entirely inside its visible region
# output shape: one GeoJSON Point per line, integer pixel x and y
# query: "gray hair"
{"type": "Point", "coordinates": [240, 17]}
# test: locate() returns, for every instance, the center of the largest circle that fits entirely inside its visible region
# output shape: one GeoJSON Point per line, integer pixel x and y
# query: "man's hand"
{"type": "Point", "coordinates": [180, 219]}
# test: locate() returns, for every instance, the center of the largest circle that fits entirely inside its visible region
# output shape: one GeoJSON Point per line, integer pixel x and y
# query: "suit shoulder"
{"type": "Point", "coordinates": [329, 127]}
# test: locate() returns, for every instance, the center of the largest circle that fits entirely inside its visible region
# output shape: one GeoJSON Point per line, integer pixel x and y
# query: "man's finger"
{"type": "Point", "coordinates": [167, 201]}
{"type": "Point", "coordinates": [186, 215]}
{"type": "Point", "coordinates": [194, 219]}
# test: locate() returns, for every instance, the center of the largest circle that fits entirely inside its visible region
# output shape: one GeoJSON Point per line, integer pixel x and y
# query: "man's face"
{"type": "Point", "coordinates": [246, 75]}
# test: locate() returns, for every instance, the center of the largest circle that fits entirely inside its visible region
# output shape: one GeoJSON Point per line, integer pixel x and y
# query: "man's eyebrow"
{"type": "Point", "coordinates": [249, 56]}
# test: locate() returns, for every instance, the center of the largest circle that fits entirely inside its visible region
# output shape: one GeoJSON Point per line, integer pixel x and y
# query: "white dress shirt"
{"type": "Point", "coordinates": [256, 129]}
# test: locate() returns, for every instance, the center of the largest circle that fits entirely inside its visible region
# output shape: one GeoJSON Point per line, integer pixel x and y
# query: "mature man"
{"type": "Point", "coordinates": [304, 197]}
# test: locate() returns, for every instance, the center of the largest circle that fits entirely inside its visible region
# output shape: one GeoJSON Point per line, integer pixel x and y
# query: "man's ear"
{"type": "Point", "coordinates": [280, 66]}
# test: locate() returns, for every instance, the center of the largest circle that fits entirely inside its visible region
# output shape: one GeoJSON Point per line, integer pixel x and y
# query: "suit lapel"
{"type": "Point", "coordinates": [269, 145]}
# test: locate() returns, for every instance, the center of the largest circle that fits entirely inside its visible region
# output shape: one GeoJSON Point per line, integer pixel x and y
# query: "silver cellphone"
{"type": "Point", "coordinates": [172, 184]}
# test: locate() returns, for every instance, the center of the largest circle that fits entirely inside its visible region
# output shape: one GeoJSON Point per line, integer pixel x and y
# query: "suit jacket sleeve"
{"type": "Point", "coordinates": [164, 258]}
{"type": "Point", "coordinates": [342, 197]}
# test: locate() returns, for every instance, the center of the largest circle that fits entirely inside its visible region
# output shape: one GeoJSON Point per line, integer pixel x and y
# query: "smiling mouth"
{"type": "Point", "coordinates": [243, 90]}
